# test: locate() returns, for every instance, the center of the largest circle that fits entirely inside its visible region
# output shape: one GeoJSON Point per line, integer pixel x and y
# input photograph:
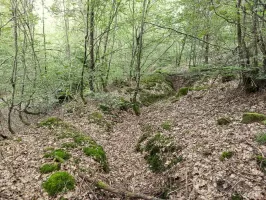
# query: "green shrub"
{"type": "Point", "coordinates": [98, 154]}
{"type": "Point", "coordinates": [253, 117]}
{"type": "Point", "coordinates": [261, 138]}
{"type": "Point", "coordinates": [47, 168]}
{"type": "Point", "coordinates": [223, 121]}
{"type": "Point", "coordinates": [226, 155]}
{"type": "Point", "coordinates": [59, 182]}
{"type": "Point", "coordinates": [96, 117]}
{"type": "Point", "coordinates": [105, 108]}
{"type": "Point", "coordinates": [59, 155]}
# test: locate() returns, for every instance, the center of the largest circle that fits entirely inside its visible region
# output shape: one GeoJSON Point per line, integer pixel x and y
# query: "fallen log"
{"type": "Point", "coordinates": [104, 186]}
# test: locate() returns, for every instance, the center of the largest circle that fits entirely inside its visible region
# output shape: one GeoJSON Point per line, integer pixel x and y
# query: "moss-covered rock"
{"type": "Point", "coordinates": [98, 154]}
{"type": "Point", "coordinates": [59, 182]}
{"type": "Point", "coordinates": [223, 121]}
{"type": "Point", "coordinates": [59, 155]}
{"type": "Point", "coordinates": [47, 168]}
{"type": "Point", "coordinates": [253, 117]}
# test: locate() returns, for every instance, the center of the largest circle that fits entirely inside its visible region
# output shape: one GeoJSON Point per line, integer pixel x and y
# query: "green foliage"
{"type": "Point", "coordinates": [136, 108]}
{"type": "Point", "coordinates": [148, 99]}
{"type": "Point", "coordinates": [105, 108]}
{"type": "Point", "coordinates": [59, 182]}
{"type": "Point", "coordinates": [223, 121]}
{"type": "Point", "coordinates": [236, 196]}
{"type": "Point", "coordinates": [261, 161]}
{"type": "Point", "coordinates": [159, 153]}
{"type": "Point", "coordinates": [69, 145]}
{"type": "Point", "coordinates": [261, 138]}
{"type": "Point", "coordinates": [51, 122]}
{"type": "Point", "coordinates": [253, 117]}
{"type": "Point", "coordinates": [182, 92]}
{"type": "Point", "coordinates": [98, 154]}
{"type": "Point", "coordinates": [96, 117]}
{"type": "Point", "coordinates": [226, 155]}
{"type": "Point", "coordinates": [83, 140]}
{"type": "Point", "coordinates": [47, 168]}
{"type": "Point", "coordinates": [153, 80]}
{"type": "Point", "coordinates": [59, 155]}
{"type": "Point", "coordinates": [166, 125]}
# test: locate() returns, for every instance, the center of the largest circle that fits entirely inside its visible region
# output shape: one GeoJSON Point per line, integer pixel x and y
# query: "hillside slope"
{"type": "Point", "coordinates": [201, 174]}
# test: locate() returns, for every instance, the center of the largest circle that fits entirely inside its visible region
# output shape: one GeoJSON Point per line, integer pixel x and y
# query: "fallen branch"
{"type": "Point", "coordinates": [102, 185]}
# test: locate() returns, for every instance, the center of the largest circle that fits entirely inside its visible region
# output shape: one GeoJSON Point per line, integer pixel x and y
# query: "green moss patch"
{"type": "Point", "coordinates": [237, 196]}
{"type": "Point", "coordinates": [47, 168]}
{"type": "Point", "coordinates": [261, 161]}
{"type": "Point", "coordinates": [182, 92]}
{"type": "Point", "coordinates": [223, 121]}
{"type": "Point", "coordinates": [98, 154]}
{"type": "Point", "coordinates": [59, 182]}
{"type": "Point", "coordinates": [261, 138]}
{"type": "Point", "coordinates": [69, 145]}
{"type": "Point", "coordinates": [226, 155]}
{"type": "Point", "coordinates": [83, 140]}
{"type": "Point", "coordinates": [253, 117]}
{"type": "Point", "coordinates": [98, 118]}
{"type": "Point", "coordinates": [50, 122]}
{"type": "Point", "coordinates": [166, 125]}
{"type": "Point", "coordinates": [159, 152]}
{"type": "Point", "coordinates": [59, 155]}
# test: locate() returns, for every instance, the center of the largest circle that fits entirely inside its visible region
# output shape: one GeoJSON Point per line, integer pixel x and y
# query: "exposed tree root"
{"type": "Point", "coordinates": [101, 185]}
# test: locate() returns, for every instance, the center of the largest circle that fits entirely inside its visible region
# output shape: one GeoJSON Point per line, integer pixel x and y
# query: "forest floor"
{"type": "Point", "coordinates": [201, 175]}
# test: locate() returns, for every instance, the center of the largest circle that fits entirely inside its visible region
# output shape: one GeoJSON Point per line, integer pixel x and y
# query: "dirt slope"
{"type": "Point", "coordinates": [201, 174]}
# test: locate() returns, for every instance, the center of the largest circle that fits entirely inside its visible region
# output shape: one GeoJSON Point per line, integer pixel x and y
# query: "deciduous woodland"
{"type": "Point", "coordinates": [133, 99]}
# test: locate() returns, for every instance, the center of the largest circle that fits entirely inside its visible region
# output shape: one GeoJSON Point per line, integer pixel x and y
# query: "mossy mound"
{"type": "Point", "coordinates": [253, 117]}
{"type": "Point", "coordinates": [59, 182]}
{"type": "Point", "coordinates": [155, 87]}
{"type": "Point", "coordinates": [226, 155]}
{"type": "Point", "coordinates": [159, 152]}
{"type": "Point", "coordinates": [47, 168]}
{"type": "Point", "coordinates": [156, 80]}
{"type": "Point", "coordinates": [59, 155]}
{"type": "Point", "coordinates": [98, 154]}
{"type": "Point", "coordinates": [223, 121]}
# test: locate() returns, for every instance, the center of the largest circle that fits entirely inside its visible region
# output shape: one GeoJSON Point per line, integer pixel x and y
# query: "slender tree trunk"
{"type": "Point", "coordinates": [92, 61]}
{"type": "Point", "coordinates": [181, 51]}
{"type": "Point", "coordinates": [15, 64]}
{"type": "Point", "coordinates": [44, 38]}
{"type": "Point", "coordinates": [206, 54]}
{"type": "Point", "coordinates": [139, 43]}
